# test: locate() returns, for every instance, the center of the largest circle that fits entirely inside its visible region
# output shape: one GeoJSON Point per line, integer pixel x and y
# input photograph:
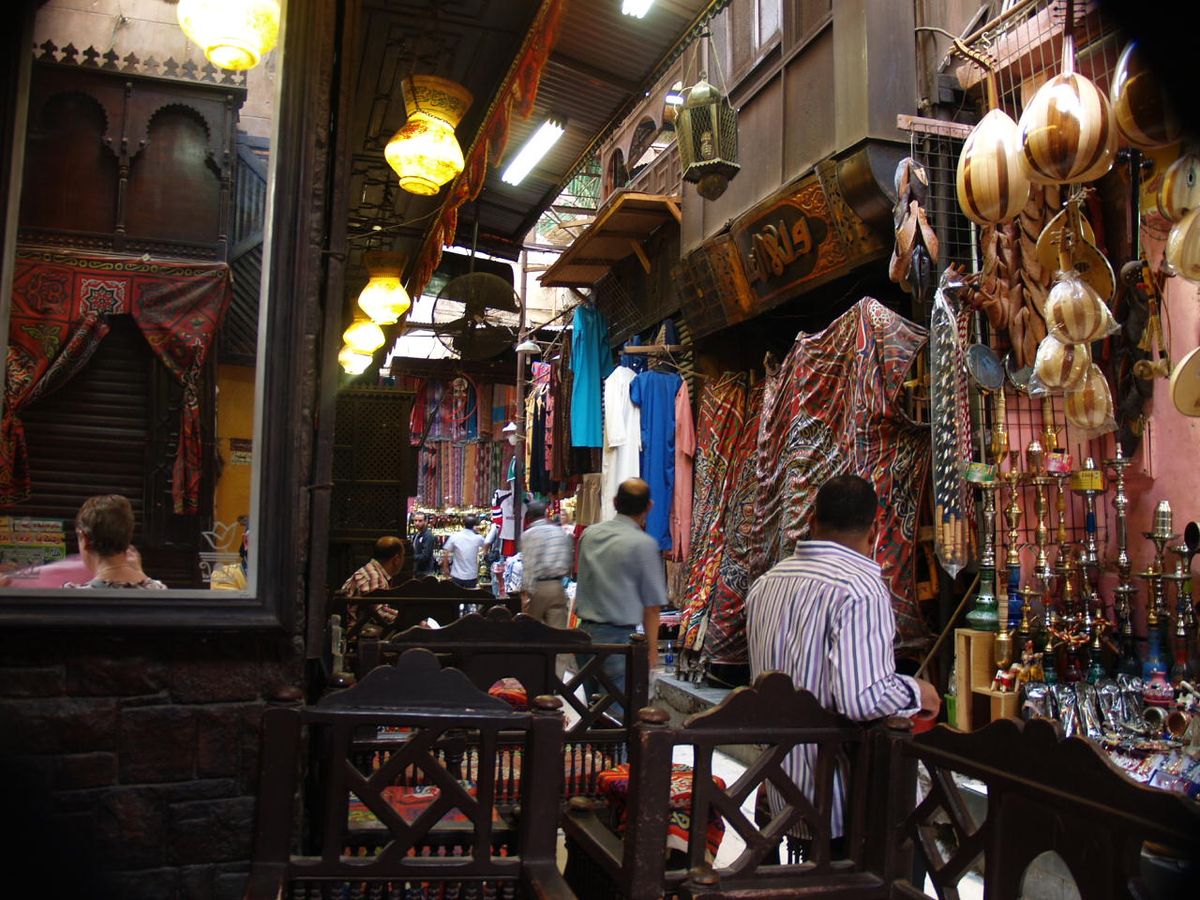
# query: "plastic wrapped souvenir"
{"type": "Point", "coordinates": [1059, 367]}
{"type": "Point", "coordinates": [1090, 406]}
{"type": "Point", "coordinates": [1068, 709]}
{"type": "Point", "coordinates": [1036, 701]}
{"type": "Point", "coordinates": [1074, 312]}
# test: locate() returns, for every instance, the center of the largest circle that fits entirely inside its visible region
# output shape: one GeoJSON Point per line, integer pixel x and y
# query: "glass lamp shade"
{"type": "Point", "coordinates": [364, 336]}
{"type": "Point", "coordinates": [353, 362]}
{"type": "Point", "coordinates": [384, 299]}
{"type": "Point", "coordinates": [234, 34]}
{"type": "Point", "coordinates": [425, 154]}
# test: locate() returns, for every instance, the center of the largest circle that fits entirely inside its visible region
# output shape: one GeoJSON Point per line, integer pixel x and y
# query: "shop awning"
{"type": "Point", "coordinates": [619, 230]}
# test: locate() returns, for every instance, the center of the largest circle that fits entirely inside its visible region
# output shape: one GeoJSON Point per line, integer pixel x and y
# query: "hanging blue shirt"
{"type": "Point", "coordinates": [591, 363]}
{"type": "Point", "coordinates": [654, 392]}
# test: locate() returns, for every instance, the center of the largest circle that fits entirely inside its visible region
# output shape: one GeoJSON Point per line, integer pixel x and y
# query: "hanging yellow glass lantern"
{"type": "Point", "coordinates": [384, 298]}
{"type": "Point", "coordinates": [234, 34]}
{"type": "Point", "coordinates": [364, 336]}
{"type": "Point", "coordinates": [425, 153]}
{"type": "Point", "coordinates": [353, 362]}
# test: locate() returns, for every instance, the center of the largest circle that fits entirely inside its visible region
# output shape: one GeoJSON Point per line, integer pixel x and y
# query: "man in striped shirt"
{"type": "Point", "coordinates": [825, 618]}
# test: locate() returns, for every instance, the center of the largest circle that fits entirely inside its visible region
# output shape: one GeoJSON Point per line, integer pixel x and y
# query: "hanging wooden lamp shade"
{"type": "Point", "coordinates": [991, 182]}
{"type": "Point", "coordinates": [1141, 108]}
{"type": "Point", "coordinates": [1059, 366]}
{"type": "Point", "coordinates": [1180, 191]}
{"type": "Point", "coordinates": [1067, 130]}
{"type": "Point", "coordinates": [1090, 406]}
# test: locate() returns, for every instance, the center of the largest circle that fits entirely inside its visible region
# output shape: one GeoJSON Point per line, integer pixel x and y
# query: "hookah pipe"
{"type": "Point", "coordinates": [1127, 658]}
{"type": "Point", "coordinates": [1012, 515]}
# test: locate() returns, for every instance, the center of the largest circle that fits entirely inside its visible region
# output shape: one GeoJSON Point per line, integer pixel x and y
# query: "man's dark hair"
{"type": "Point", "coordinates": [536, 510]}
{"type": "Point", "coordinates": [847, 504]}
{"type": "Point", "coordinates": [107, 522]}
{"type": "Point", "coordinates": [388, 547]}
{"type": "Point", "coordinates": [470, 522]}
{"type": "Point", "coordinates": [633, 496]}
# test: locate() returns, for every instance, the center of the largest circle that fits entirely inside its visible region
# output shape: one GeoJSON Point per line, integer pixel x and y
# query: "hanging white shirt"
{"type": "Point", "coordinates": [622, 438]}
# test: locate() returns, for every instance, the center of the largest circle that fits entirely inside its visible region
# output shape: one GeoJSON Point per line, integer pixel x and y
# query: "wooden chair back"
{"type": "Point", "coordinates": [428, 706]}
{"type": "Point", "coordinates": [499, 645]}
{"type": "Point", "coordinates": [776, 719]}
{"type": "Point", "coordinates": [1044, 794]}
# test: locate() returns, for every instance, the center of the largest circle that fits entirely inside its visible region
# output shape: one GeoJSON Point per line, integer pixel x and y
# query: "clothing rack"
{"type": "Point", "coordinates": [655, 348]}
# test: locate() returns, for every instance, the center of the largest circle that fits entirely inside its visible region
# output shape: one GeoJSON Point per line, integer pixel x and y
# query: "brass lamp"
{"type": "Point", "coordinates": [363, 336]}
{"type": "Point", "coordinates": [707, 136]}
{"type": "Point", "coordinates": [384, 298]}
{"type": "Point", "coordinates": [353, 362]}
{"type": "Point", "coordinates": [234, 34]}
{"type": "Point", "coordinates": [425, 153]}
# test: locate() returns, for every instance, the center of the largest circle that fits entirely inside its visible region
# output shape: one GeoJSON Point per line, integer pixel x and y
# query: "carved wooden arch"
{"type": "Point", "coordinates": [142, 129]}
{"type": "Point", "coordinates": [647, 135]}
{"type": "Point", "coordinates": [109, 116]}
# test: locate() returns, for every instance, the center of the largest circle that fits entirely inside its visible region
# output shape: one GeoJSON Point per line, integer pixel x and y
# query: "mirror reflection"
{"type": "Point", "coordinates": [127, 438]}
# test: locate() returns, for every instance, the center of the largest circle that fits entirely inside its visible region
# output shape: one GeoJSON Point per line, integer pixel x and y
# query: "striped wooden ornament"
{"type": "Point", "coordinates": [1067, 132]}
{"type": "Point", "coordinates": [1180, 190]}
{"type": "Point", "coordinates": [1059, 366]}
{"type": "Point", "coordinates": [1074, 312]}
{"type": "Point", "coordinates": [1090, 405]}
{"type": "Point", "coordinates": [992, 184]}
{"type": "Point", "coordinates": [1141, 108]}
{"type": "Point", "coordinates": [1183, 247]}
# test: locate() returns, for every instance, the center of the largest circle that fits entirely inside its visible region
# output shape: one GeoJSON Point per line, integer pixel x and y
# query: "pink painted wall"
{"type": "Point", "coordinates": [1171, 451]}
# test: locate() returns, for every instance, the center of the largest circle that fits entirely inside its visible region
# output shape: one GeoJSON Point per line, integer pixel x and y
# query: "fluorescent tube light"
{"type": "Point", "coordinates": [674, 98]}
{"type": "Point", "coordinates": [636, 8]}
{"type": "Point", "coordinates": [533, 151]}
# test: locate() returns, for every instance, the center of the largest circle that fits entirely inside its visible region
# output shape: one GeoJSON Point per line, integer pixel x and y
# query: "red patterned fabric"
{"type": "Point", "coordinates": [410, 802]}
{"type": "Point", "coordinates": [722, 411]}
{"type": "Point", "coordinates": [60, 308]}
{"type": "Point", "coordinates": [613, 785]}
{"type": "Point", "coordinates": [511, 692]}
{"type": "Point", "coordinates": [834, 408]}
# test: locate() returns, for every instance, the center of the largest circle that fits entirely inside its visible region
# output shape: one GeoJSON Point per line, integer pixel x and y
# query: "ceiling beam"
{"type": "Point", "coordinates": [578, 66]}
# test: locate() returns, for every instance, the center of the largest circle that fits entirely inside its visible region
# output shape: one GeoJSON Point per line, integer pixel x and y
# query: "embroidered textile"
{"type": "Point", "coordinates": [833, 408]}
{"type": "Point", "coordinates": [613, 785]}
{"type": "Point", "coordinates": [722, 411]}
{"type": "Point", "coordinates": [61, 302]}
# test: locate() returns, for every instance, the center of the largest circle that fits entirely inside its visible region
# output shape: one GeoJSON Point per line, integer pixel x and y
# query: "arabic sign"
{"type": "Point", "coordinates": [788, 241]}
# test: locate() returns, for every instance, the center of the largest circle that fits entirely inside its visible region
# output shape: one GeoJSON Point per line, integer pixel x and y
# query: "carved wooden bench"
{"type": "Point", "coordinates": [495, 646]}
{"type": "Point", "coordinates": [1044, 794]}
{"type": "Point", "coordinates": [441, 835]}
{"type": "Point", "coordinates": [776, 718]}
{"type": "Point", "coordinates": [414, 600]}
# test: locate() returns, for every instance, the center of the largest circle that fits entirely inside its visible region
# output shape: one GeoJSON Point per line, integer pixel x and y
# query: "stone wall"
{"type": "Point", "coordinates": [140, 755]}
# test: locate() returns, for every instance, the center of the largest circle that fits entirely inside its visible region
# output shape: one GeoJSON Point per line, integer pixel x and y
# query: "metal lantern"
{"type": "Point", "coordinates": [707, 136]}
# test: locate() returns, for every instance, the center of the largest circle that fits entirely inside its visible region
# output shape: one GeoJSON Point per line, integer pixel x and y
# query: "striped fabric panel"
{"type": "Point", "coordinates": [825, 618]}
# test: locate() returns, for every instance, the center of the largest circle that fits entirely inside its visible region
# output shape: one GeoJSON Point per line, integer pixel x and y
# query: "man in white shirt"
{"type": "Point", "coordinates": [825, 618]}
{"type": "Point", "coordinates": [461, 562]}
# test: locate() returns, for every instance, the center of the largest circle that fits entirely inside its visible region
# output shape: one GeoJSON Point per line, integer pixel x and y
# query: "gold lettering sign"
{"type": "Point", "coordinates": [788, 241]}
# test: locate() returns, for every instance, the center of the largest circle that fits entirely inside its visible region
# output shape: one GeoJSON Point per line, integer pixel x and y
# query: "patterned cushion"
{"type": "Point", "coordinates": [614, 786]}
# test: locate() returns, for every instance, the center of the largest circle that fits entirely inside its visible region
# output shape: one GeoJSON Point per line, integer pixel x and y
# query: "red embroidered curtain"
{"type": "Point", "coordinates": [61, 302]}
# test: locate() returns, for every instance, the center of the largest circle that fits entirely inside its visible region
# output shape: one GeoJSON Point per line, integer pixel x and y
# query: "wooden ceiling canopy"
{"type": "Point", "coordinates": [599, 64]}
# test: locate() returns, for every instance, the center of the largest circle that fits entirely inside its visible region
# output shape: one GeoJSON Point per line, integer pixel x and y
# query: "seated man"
{"type": "Point", "coordinates": [824, 617]}
{"type": "Point", "coordinates": [385, 562]}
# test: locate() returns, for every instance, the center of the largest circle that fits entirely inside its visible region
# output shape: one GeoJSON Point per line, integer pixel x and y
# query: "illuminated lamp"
{"type": "Point", "coordinates": [364, 336]}
{"type": "Point", "coordinates": [425, 153]}
{"type": "Point", "coordinates": [384, 298]}
{"type": "Point", "coordinates": [353, 362]}
{"type": "Point", "coordinates": [707, 135]}
{"type": "Point", "coordinates": [636, 8]}
{"type": "Point", "coordinates": [234, 34]}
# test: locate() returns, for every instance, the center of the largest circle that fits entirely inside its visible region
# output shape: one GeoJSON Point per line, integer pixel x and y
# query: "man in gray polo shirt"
{"type": "Point", "coordinates": [621, 579]}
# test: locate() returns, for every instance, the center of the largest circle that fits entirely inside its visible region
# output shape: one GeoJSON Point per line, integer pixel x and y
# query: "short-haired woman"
{"type": "Point", "coordinates": [104, 528]}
